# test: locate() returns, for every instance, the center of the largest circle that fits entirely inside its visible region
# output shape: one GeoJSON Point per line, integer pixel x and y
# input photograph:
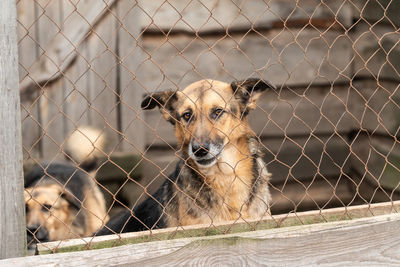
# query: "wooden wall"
{"type": "Point", "coordinates": [331, 127]}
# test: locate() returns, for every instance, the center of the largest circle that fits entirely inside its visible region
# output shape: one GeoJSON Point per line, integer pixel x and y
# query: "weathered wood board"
{"type": "Point", "coordinates": [104, 74]}
{"type": "Point", "coordinates": [27, 54]}
{"type": "Point", "coordinates": [213, 15]}
{"type": "Point", "coordinates": [60, 51]}
{"type": "Point", "coordinates": [377, 159]}
{"type": "Point", "coordinates": [356, 242]}
{"type": "Point", "coordinates": [131, 87]}
{"type": "Point", "coordinates": [231, 227]}
{"type": "Point", "coordinates": [285, 57]}
{"type": "Point", "coordinates": [52, 100]}
{"type": "Point", "coordinates": [375, 106]}
{"type": "Point", "coordinates": [12, 216]}
{"type": "Point", "coordinates": [377, 11]}
{"type": "Point", "coordinates": [376, 51]}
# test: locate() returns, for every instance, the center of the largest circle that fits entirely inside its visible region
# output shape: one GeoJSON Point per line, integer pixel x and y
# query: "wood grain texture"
{"type": "Point", "coordinates": [231, 227]}
{"type": "Point", "coordinates": [12, 216]}
{"type": "Point", "coordinates": [61, 50]}
{"type": "Point", "coordinates": [104, 73]}
{"type": "Point", "coordinates": [283, 56]}
{"type": "Point", "coordinates": [358, 242]}
{"type": "Point", "coordinates": [212, 15]}
{"type": "Point", "coordinates": [27, 54]}
{"type": "Point", "coordinates": [376, 51]}
{"type": "Point", "coordinates": [131, 87]}
{"type": "Point", "coordinates": [374, 243]}
{"type": "Point", "coordinates": [376, 106]}
{"type": "Point", "coordinates": [378, 162]}
{"type": "Point", "coordinates": [52, 100]}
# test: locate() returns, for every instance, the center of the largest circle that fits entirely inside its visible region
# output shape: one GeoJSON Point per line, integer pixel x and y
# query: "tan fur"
{"type": "Point", "coordinates": [96, 208]}
{"type": "Point", "coordinates": [231, 177]}
{"type": "Point", "coordinates": [60, 220]}
{"type": "Point", "coordinates": [85, 144]}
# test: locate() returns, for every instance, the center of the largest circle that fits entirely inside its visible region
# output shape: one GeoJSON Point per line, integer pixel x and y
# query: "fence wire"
{"type": "Point", "coordinates": [328, 128]}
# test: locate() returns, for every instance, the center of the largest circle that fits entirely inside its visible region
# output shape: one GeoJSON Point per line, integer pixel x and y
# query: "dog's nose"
{"type": "Point", "coordinates": [200, 150]}
{"type": "Point", "coordinates": [36, 233]}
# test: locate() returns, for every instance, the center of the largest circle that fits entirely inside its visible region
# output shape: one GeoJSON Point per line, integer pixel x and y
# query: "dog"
{"type": "Point", "coordinates": [62, 200]}
{"type": "Point", "coordinates": [221, 175]}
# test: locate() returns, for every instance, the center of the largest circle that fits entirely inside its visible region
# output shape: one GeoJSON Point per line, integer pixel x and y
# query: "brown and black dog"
{"type": "Point", "coordinates": [61, 202]}
{"type": "Point", "coordinates": [221, 175]}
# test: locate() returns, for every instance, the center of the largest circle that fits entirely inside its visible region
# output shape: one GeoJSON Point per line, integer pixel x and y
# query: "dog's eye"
{"type": "Point", "coordinates": [46, 207]}
{"type": "Point", "coordinates": [26, 209]}
{"type": "Point", "coordinates": [186, 116]}
{"type": "Point", "coordinates": [217, 113]}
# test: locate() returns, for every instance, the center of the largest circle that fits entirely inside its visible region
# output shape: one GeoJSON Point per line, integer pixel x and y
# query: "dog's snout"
{"type": "Point", "coordinates": [37, 232]}
{"type": "Point", "coordinates": [200, 150]}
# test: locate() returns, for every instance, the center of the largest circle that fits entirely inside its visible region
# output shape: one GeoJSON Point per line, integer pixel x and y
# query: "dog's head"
{"type": "Point", "coordinates": [208, 115]}
{"type": "Point", "coordinates": [51, 213]}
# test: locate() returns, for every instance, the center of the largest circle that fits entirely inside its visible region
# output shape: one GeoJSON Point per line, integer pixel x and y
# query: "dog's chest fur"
{"type": "Point", "coordinates": [236, 187]}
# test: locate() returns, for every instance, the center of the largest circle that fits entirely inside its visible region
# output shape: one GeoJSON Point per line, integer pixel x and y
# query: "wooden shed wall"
{"type": "Point", "coordinates": [333, 121]}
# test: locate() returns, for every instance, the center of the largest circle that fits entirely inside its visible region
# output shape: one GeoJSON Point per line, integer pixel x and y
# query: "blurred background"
{"type": "Point", "coordinates": [330, 130]}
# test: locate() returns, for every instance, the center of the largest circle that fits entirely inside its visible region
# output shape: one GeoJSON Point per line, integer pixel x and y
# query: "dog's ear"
{"type": "Point", "coordinates": [247, 92]}
{"type": "Point", "coordinates": [165, 100]}
{"type": "Point", "coordinates": [72, 200]}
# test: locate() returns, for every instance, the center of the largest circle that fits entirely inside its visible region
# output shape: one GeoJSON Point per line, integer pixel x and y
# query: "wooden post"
{"type": "Point", "coordinates": [12, 216]}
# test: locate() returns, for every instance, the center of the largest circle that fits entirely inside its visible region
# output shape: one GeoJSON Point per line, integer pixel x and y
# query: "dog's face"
{"type": "Point", "coordinates": [50, 212]}
{"type": "Point", "coordinates": [208, 115]}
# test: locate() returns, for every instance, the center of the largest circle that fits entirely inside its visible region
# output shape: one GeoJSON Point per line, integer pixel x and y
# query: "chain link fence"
{"type": "Point", "coordinates": [328, 130]}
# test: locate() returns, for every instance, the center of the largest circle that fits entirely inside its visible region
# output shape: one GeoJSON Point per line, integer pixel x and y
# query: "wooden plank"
{"type": "Point", "coordinates": [61, 50]}
{"type": "Point", "coordinates": [91, 86]}
{"type": "Point", "coordinates": [284, 220]}
{"type": "Point", "coordinates": [371, 240]}
{"type": "Point", "coordinates": [76, 81]}
{"type": "Point", "coordinates": [131, 88]}
{"type": "Point", "coordinates": [12, 216]}
{"type": "Point", "coordinates": [212, 15]}
{"type": "Point", "coordinates": [103, 68]}
{"type": "Point", "coordinates": [320, 193]}
{"type": "Point", "coordinates": [291, 112]}
{"type": "Point", "coordinates": [376, 51]}
{"type": "Point", "coordinates": [376, 106]}
{"type": "Point", "coordinates": [296, 248]}
{"type": "Point", "coordinates": [377, 160]}
{"type": "Point", "coordinates": [80, 89]}
{"type": "Point", "coordinates": [28, 52]}
{"type": "Point", "coordinates": [373, 11]}
{"type": "Point", "coordinates": [52, 100]}
{"type": "Point", "coordinates": [285, 57]}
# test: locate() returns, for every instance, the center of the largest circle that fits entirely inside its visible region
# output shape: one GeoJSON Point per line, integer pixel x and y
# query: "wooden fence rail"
{"type": "Point", "coordinates": [357, 242]}
{"type": "Point", "coordinates": [12, 217]}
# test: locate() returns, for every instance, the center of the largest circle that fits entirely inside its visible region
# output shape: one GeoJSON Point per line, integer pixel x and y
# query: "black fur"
{"type": "Point", "coordinates": [243, 90]}
{"type": "Point", "coordinates": [62, 174]}
{"type": "Point", "coordinates": [147, 215]}
{"type": "Point", "coordinates": [165, 101]}
{"type": "Point", "coordinates": [150, 214]}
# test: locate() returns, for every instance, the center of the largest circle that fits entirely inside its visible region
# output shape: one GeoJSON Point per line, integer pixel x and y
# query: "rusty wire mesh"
{"type": "Point", "coordinates": [329, 131]}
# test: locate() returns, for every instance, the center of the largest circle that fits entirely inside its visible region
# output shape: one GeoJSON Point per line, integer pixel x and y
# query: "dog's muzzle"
{"type": "Point", "coordinates": [35, 234]}
{"type": "Point", "coordinates": [205, 154]}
